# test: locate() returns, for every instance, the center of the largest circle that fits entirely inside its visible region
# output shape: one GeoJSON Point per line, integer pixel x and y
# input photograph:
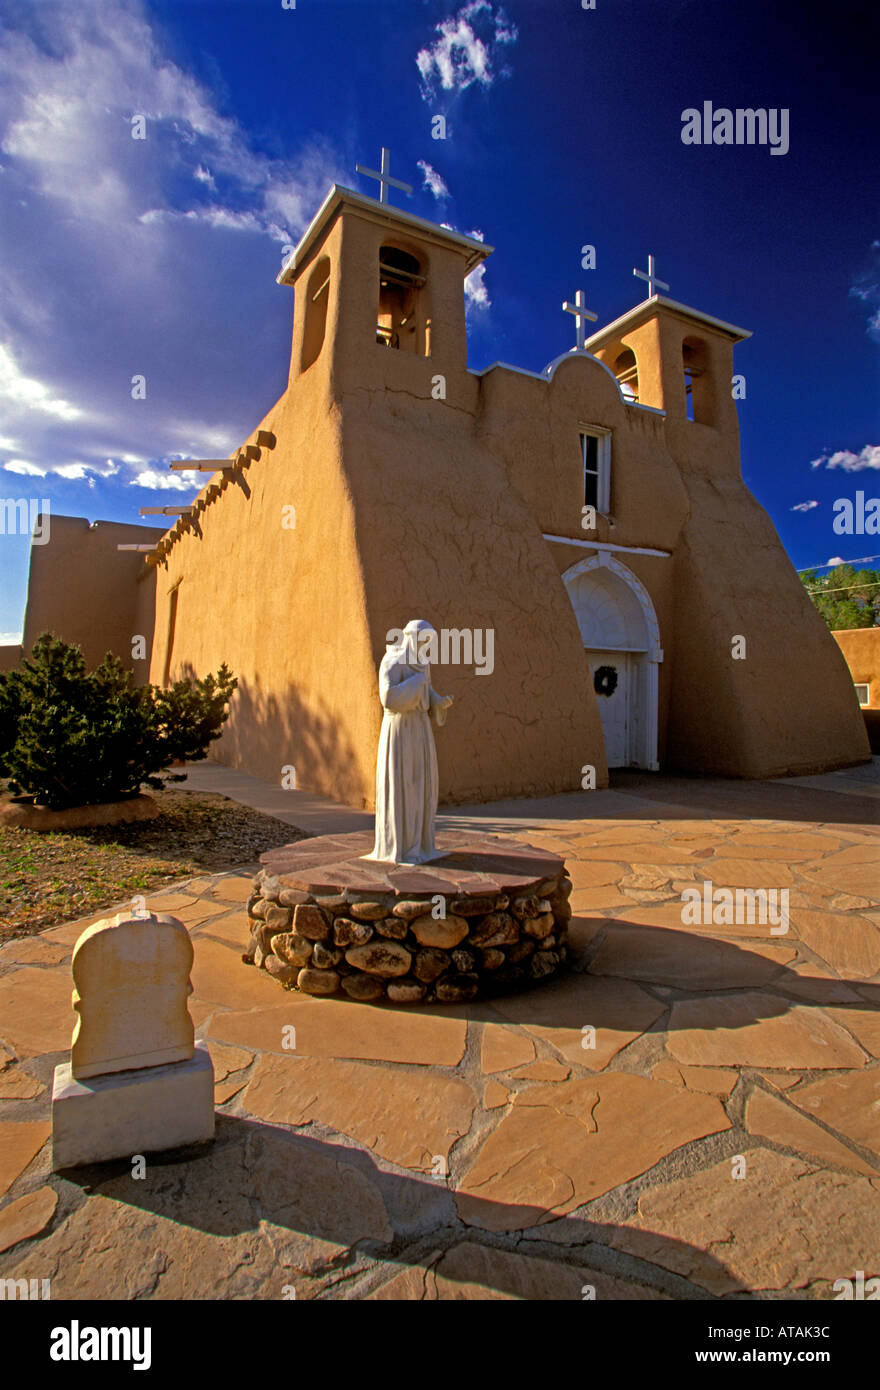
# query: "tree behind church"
{"type": "Point", "coordinates": [846, 597]}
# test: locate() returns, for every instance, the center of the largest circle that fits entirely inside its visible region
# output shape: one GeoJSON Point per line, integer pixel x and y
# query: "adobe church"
{"type": "Point", "coordinates": [591, 518]}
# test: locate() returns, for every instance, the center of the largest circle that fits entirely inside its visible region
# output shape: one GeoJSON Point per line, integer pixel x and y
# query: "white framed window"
{"type": "Point", "coordinates": [862, 691]}
{"type": "Point", "coordinates": [596, 460]}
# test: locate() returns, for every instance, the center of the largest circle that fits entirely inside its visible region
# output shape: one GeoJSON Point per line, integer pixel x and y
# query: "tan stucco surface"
{"type": "Point", "coordinates": [861, 651]}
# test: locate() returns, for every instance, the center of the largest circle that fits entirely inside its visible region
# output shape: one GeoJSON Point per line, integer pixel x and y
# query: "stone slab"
{"type": "Point", "coordinates": [466, 863]}
{"type": "Point", "coordinates": [780, 1122]}
{"type": "Point", "coordinates": [785, 1225]}
{"type": "Point", "coordinates": [566, 1142]}
{"type": "Point", "coordinates": [26, 1217]}
{"type": "Point", "coordinates": [476, 1272]}
{"type": "Point", "coordinates": [20, 1142]}
{"type": "Point", "coordinates": [394, 1113]}
{"type": "Point", "coordinates": [758, 1030]}
{"type": "Point", "coordinates": [126, 1113]}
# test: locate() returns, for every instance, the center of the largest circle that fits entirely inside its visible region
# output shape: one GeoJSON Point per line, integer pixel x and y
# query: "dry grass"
{"type": "Point", "coordinates": [50, 878]}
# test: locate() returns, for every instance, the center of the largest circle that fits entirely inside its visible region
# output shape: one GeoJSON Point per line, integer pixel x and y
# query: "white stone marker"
{"type": "Point", "coordinates": [136, 1081]}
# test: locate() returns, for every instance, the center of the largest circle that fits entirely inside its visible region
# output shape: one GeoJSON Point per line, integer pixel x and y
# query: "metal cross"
{"type": "Point", "coordinates": [651, 278]}
{"type": "Point", "coordinates": [582, 313]}
{"type": "Point", "coordinates": [384, 176]}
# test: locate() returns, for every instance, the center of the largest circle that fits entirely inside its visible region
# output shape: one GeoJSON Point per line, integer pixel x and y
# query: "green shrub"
{"type": "Point", "coordinates": [72, 737]}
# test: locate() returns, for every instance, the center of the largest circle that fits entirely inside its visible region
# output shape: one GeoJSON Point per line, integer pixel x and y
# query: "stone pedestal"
{"type": "Point", "coordinates": [487, 915]}
{"type": "Point", "coordinates": [132, 1112]}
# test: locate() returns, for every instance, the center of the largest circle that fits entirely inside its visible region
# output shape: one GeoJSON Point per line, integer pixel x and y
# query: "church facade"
{"type": "Point", "coordinates": [607, 590]}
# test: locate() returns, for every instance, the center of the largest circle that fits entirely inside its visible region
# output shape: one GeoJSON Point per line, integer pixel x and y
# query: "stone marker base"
{"type": "Point", "coordinates": [132, 1112]}
{"type": "Point", "coordinates": [486, 916]}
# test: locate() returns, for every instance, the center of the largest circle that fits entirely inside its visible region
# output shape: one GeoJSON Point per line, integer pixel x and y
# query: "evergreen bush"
{"type": "Point", "coordinates": [73, 737]}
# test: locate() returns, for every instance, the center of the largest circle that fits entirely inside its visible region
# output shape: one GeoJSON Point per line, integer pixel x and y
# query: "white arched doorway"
{"type": "Point", "coordinates": [619, 629]}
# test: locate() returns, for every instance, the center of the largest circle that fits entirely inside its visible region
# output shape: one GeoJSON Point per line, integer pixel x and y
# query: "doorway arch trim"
{"type": "Point", "coordinates": [603, 559]}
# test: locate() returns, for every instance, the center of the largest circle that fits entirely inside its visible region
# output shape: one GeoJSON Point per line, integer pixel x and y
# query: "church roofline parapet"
{"type": "Point", "coordinates": [339, 196]}
{"type": "Point", "coordinates": [550, 370]}
{"type": "Point", "coordinates": [644, 310]}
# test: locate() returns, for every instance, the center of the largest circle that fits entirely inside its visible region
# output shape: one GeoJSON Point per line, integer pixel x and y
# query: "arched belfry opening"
{"type": "Point", "coordinates": [317, 292]}
{"type": "Point", "coordinates": [697, 386]}
{"type": "Point", "coordinates": [401, 322]}
{"type": "Point", "coordinates": [626, 370]}
{"type": "Point", "coordinates": [621, 361]}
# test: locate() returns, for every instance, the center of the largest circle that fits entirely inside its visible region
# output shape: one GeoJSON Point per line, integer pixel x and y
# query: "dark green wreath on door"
{"type": "Point", "coordinates": [605, 680]}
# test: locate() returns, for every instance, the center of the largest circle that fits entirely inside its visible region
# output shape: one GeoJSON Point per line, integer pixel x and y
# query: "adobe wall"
{"type": "Point", "coordinates": [861, 652]}
{"type": "Point", "coordinates": [84, 590]}
{"type": "Point", "coordinates": [465, 552]}
{"type": "Point", "coordinates": [301, 616]}
{"type": "Point", "coordinates": [788, 707]}
{"type": "Point", "coordinates": [284, 608]}
{"type": "Point", "coordinates": [10, 656]}
{"type": "Point", "coordinates": [542, 462]}
{"type": "Point", "coordinates": [783, 709]}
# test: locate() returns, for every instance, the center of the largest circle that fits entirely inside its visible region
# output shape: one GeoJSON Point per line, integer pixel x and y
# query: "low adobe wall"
{"type": "Point", "coordinates": [861, 650]}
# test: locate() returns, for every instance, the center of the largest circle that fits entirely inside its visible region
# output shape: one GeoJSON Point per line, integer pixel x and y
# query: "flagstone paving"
{"type": "Point", "coordinates": [692, 1111]}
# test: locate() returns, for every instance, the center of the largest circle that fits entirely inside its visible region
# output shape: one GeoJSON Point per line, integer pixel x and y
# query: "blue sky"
{"type": "Point", "coordinates": [159, 256]}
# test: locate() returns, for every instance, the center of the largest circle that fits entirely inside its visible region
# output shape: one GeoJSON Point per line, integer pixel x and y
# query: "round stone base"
{"type": "Point", "coordinates": [486, 916]}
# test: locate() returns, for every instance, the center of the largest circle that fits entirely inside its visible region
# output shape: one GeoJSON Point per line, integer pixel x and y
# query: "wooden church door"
{"type": "Point", "coordinates": [616, 709]}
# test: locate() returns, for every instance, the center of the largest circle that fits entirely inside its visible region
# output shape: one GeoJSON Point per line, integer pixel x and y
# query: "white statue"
{"type": "Point", "coordinates": [406, 766]}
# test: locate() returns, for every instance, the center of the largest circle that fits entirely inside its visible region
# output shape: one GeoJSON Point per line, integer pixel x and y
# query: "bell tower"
{"type": "Point", "coordinates": [379, 296]}
{"type": "Point", "coordinates": [675, 359]}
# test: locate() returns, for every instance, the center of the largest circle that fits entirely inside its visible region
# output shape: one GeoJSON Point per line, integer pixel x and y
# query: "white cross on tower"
{"type": "Point", "coordinates": [651, 278]}
{"type": "Point", "coordinates": [384, 176]}
{"type": "Point", "coordinates": [582, 313]}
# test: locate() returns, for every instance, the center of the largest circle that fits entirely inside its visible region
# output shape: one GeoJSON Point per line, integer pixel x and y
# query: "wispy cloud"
{"type": "Point", "coordinates": [433, 181]}
{"type": "Point", "coordinates": [476, 291]}
{"type": "Point", "coordinates": [804, 506]}
{"type": "Point", "coordinates": [169, 482]}
{"type": "Point", "coordinates": [866, 287]}
{"type": "Point", "coordinates": [468, 49]}
{"type": "Point", "coordinates": [869, 457]}
{"type": "Point", "coordinates": [25, 468]}
{"type": "Point", "coordinates": [121, 256]}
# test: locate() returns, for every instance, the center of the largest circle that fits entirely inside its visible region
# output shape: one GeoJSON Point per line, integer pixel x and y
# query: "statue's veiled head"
{"type": "Point", "coordinates": [419, 642]}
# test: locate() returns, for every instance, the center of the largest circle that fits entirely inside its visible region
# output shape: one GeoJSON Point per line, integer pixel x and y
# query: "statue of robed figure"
{"type": "Point", "coordinates": [406, 766]}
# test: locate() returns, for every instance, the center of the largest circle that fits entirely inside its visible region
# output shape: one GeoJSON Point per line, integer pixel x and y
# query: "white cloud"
{"type": "Point", "coordinates": [804, 506]}
{"type": "Point", "coordinates": [30, 470]}
{"type": "Point", "coordinates": [866, 287]}
{"type": "Point", "coordinates": [869, 457]}
{"type": "Point", "coordinates": [20, 394]}
{"type": "Point", "coordinates": [476, 291]}
{"type": "Point", "coordinates": [121, 256]}
{"type": "Point", "coordinates": [72, 470]}
{"type": "Point", "coordinates": [467, 49]}
{"type": "Point", "coordinates": [835, 560]}
{"type": "Point", "coordinates": [169, 482]}
{"type": "Point", "coordinates": [434, 182]}
{"type": "Point", "coordinates": [10, 639]}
